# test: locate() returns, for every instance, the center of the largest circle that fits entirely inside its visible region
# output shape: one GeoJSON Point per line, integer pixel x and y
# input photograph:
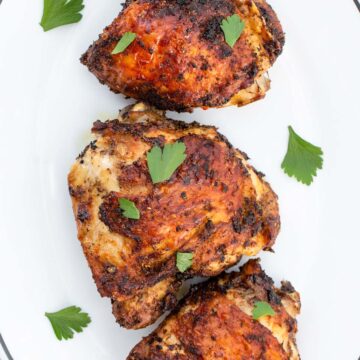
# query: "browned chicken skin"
{"type": "Point", "coordinates": [180, 59]}
{"type": "Point", "coordinates": [215, 206]}
{"type": "Point", "coordinates": [215, 321]}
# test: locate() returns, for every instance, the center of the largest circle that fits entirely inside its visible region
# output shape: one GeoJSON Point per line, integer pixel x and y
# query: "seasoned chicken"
{"type": "Point", "coordinates": [215, 321]}
{"type": "Point", "coordinates": [215, 206]}
{"type": "Point", "coordinates": [180, 60]}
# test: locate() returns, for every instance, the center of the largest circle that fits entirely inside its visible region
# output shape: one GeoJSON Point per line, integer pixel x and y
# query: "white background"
{"type": "Point", "coordinates": [48, 102]}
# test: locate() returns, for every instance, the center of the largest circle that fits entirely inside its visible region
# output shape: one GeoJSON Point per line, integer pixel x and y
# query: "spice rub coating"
{"type": "Point", "coordinates": [180, 60]}
{"type": "Point", "coordinates": [215, 206]}
{"type": "Point", "coordinates": [214, 321]}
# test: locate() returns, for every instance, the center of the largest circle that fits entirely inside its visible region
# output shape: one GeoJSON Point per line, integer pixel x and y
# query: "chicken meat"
{"type": "Point", "coordinates": [215, 321]}
{"type": "Point", "coordinates": [215, 206]}
{"type": "Point", "coordinates": [180, 60]}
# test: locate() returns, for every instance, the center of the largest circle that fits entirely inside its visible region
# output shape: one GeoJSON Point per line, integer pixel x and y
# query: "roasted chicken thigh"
{"type": "Point", "coordinates": [180, 60]}
{"type": "Point", "coordinates": [215, 321]}
{"type": "Point", "coordinates": [215, 206]}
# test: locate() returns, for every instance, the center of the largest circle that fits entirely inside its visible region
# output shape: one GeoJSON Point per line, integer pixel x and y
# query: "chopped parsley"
{"type": "Point", "coordinates": [129, 209]}
{"type": "Point", "coordinates": [262, 308]}
{"type": "Point", "coordinates": [183, 261]}
{"type": "Point", "coordinates": [124, 42]}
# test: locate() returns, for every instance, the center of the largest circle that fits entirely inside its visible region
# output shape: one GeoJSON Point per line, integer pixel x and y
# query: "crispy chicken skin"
{"type": "Point", "coordinates": [180, 59]}
{"type": "Point", "coordinates": [215, 206]}
{"type": "Point", "coordinates": [214, 321]}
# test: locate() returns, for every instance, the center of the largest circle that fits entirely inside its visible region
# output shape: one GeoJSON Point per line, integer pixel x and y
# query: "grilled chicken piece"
{"type": "Point", "coordinates": [215, 321]}
{"type": "Point", "coordinates": [215, 206]}
{"type": "Point", "coordinates": [180, 59]}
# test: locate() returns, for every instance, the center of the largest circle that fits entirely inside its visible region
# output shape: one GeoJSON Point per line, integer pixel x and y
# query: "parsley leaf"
{"type": "Point", "coordinates": [183, 261]}
{"type": "Point", "coordinates": [66, 320]}
{"type": "Point", "coordinates": [262, 308]}
{"type": "Point", "coordinates": [302, 158]}
{"type": "Point", "coordinates": [163, 163]}
{"type": "Point", "coordinates": [60, 12]}
{"type": "Point", "coordinates": [124, 42]}
{"type": "Point", "coordinates": [232, 27]}
{"type": "Point", "coordinates": [129, 209]}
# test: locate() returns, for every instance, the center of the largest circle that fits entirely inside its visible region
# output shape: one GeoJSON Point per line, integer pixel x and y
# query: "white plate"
{"type": "Point", "coordinates": [48, 102]}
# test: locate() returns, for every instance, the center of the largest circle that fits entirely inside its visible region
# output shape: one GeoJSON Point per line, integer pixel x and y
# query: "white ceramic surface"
{"type": "Point", "coordinates": [48, 102]}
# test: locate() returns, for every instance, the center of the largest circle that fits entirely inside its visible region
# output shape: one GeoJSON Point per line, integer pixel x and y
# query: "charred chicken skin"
{"type": "Point", "coordinates": [215, 321]}
{"type": "Point", "coordinates": [180, 60]}
{"type": "Point", "coordinates": [215, 206]}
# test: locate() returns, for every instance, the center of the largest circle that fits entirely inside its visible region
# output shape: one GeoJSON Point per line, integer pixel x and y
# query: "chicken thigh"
{"type": "Point", "coordinates": [215, 321]}
{"type": "Point", "coordinates": [215, 206]}
{"type": "Point", "coordinates": [180, 60]}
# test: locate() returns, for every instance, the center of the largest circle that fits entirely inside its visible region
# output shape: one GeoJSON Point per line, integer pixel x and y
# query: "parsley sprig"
{"type": "Point", "coordinates": [302, 159]}
{"type": "Point", "coordinates": [60, 12]}
{"type": "Point", "coordinates": [64, 322]}
{"type": "Point", "coordinates": [232, 27]}
{"type": "Point", "coordinates": [163, 163]}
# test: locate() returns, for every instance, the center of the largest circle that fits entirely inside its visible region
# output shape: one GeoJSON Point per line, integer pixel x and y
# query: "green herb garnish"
{"type": "Point", "coordinates": [232, 27]}
{"type": "Point", "coordinates": [129, 209]}
{"type": "Point", "coordinates": [183, 261]}
{"type": "Point", "coordinates": [302, 158]}
{"type": "Point", "coordinates": [163, 163]}
{"type": "Point", "coordinates": [124, 42]}
{"type": "Point", "coordinates": [60, 12]}
{"type": "Point", "coordinates": [64, 322]}
{"type": "Point", "coordinates": [262, 308]}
